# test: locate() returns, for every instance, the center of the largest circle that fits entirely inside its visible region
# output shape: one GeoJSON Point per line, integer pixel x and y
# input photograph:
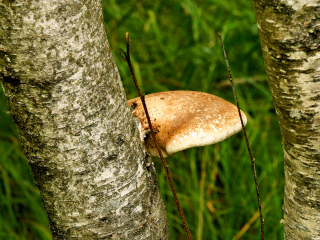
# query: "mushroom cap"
{"type": "Point", "coordinates": [185, 119]}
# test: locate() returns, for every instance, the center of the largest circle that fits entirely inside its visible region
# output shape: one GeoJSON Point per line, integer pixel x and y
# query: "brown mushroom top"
{"type": "Point", "coordinates": [185, 119]}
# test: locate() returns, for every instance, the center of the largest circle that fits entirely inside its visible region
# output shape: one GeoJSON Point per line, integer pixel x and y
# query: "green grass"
{"type": "Point", "coordinates": [175, 46]}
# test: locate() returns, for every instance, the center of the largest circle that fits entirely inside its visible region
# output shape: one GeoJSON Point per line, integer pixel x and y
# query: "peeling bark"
{"type": "Point", "coordinates": [78, 134]}
{"type": "Point", "coordinates": [290, 39]}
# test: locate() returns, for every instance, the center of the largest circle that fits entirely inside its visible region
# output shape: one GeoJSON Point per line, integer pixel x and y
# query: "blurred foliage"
{"type": "Point", "coordinates": [174, 46]}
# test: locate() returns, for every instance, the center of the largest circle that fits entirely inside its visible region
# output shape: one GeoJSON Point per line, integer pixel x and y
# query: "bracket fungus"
{"type": "Point", "coordinates": [185, 119]}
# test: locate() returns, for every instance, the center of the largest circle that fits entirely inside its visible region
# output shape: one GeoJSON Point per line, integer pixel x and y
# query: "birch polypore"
{"type": "Point", "coordinates": [185, 119]}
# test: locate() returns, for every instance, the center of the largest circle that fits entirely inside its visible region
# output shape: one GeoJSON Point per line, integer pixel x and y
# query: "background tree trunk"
{"type": "Point", "coordinates": [289, 33]}
{"type": "Point", "coordinates": [81, 141]}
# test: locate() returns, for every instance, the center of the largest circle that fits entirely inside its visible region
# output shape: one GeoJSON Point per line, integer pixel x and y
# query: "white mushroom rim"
{"type": "Point", "coordinates": [185, 119]}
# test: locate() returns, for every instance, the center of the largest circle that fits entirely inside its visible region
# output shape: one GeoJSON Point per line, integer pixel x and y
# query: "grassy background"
{"type": "Point", "coordinates": [175, 46]}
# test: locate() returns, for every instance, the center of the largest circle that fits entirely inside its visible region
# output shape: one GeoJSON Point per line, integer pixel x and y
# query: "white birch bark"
{"type": "Point", "coordinates": [290, 39]}
{"type": "Point", "coordinates": [78, 134]}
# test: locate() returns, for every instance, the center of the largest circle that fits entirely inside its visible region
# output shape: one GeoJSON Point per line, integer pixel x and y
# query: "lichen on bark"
{"type": "Point", "coordinates": [78, 134]}
{"type": "Point", "coordinates": [290, 40]}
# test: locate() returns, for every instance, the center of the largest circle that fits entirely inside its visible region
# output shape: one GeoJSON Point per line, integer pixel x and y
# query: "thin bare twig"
{"type": "Point", "coordinates": [247, 142]}
{"type": "Point", "coordinates": [127, 59]}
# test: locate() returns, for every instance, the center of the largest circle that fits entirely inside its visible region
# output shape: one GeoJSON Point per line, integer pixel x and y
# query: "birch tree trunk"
{"type": "Point", "coordinates": [78, 134]}
{"type": "Point", "coordinates": [290, 33]}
